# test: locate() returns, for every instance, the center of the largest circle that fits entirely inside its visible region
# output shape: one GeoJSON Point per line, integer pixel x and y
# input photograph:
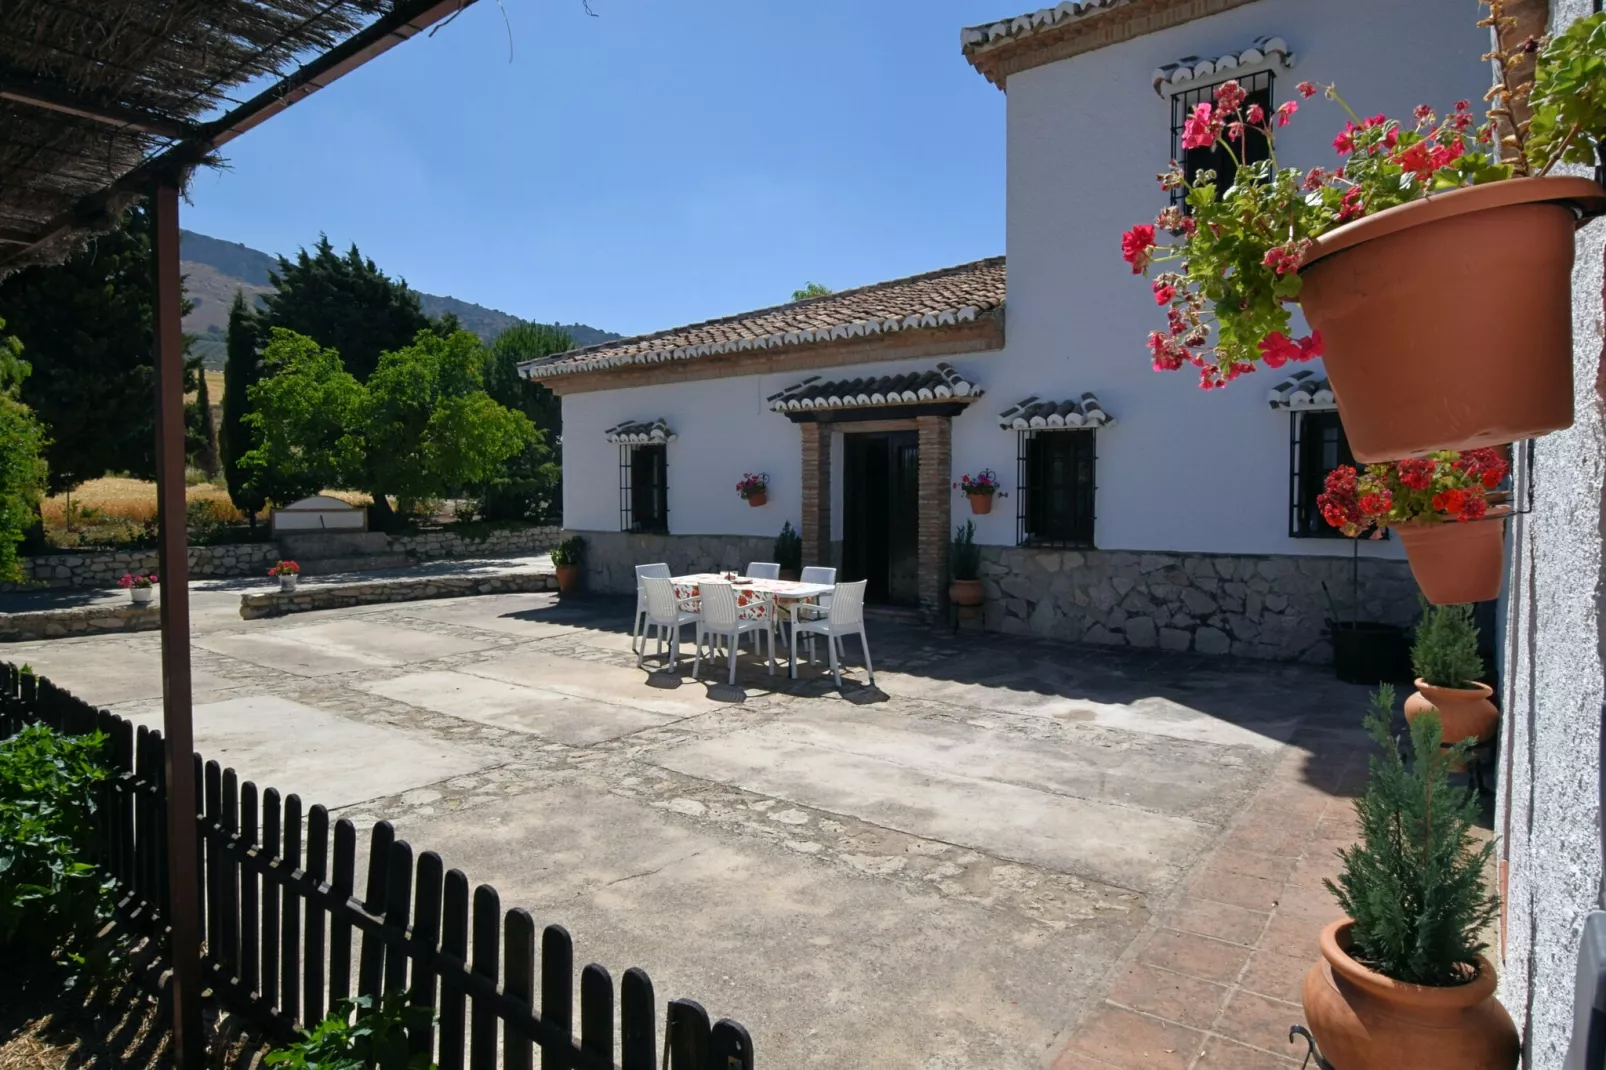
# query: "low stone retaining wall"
{"type": "Point", "coordinates": [103, 569]}
{"type": "Point", "coordinates": [612, 556]}
{"type": "Point", "coordinates": [1250, 606]}
{"type": "Point", "coordinates": [433, 545]}
{"type": "Point", "coordinates": [342, 595]}
{"type": "Point", "coordinates": [82, 620]}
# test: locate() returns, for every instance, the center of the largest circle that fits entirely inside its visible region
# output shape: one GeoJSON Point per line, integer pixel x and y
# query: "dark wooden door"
{"type": "Point", "coordinates": [880, 505]}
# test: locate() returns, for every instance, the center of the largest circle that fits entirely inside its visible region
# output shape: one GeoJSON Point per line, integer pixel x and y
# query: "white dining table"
{"type": "Point", "coordinates": [787, 594]}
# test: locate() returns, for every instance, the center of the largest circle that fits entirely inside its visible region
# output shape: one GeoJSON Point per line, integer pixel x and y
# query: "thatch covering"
{"type": "Point", "coordinates": [90, 90]}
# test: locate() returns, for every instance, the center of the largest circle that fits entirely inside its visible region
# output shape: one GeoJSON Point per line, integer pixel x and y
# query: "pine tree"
{"type": "Point", "coordinates": [1414, 884]}
{"type": "Point", "coordinates": [242, 368]}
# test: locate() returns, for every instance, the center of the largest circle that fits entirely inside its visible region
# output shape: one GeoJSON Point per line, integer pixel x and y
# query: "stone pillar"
{"type": "Point", "coordinates": [816, 494]}
{"type": "Point", "coordinates": [936, 499]}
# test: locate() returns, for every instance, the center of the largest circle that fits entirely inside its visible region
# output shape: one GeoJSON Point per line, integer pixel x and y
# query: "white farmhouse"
{"type": "Point", "coordinates": [1140, 509]}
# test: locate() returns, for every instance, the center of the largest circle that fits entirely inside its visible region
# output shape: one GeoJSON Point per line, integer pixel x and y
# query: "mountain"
{"type": "Point", "coordinates": [214, 269]}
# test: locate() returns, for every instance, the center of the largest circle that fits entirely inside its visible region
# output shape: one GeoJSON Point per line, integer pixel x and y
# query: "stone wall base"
{"type": "Point", "coordinates": [1250, 606]}
{"type": "Point", "coordinates": [612, 556]}
{"type": "Point", "coordinates": [371, 592]}
{"type": "Point", "coordinates": [80, 620]}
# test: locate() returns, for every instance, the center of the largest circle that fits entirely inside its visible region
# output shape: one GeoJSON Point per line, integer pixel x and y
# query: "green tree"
{"type": "Point", "coordinates": [200, 428]}
{"type": "Point", "coordinates": [87, 327]}
{"type": "Point", "coordinates": [344, 303]}
{"type": "Point", "coordinates": [241, 370]}
{"type": "Point", "coordinates": [532, 486]}
{"type": "Point", "coordinates": [22, 466]}
{"type": "Point", "coordinates": [305, 419]}
{"type": "Point", "coordinates": [812, 289]}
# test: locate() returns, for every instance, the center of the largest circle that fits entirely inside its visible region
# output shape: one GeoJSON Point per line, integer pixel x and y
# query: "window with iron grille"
{"type": "Point", "coordinates": [1215, 157]}
{"type": "Point", "coordinates": [1317, 446]}
{"type": "Point", "coordinates": [644, 489]}
{"type": "Point", "coordinates": [1054, 488]}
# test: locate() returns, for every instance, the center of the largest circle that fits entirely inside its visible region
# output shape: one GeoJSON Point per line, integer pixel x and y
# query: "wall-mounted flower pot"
{"type": "Point", "coordinates": [1455, 562]}
{"type": "Point", "coordinates": [1365, 1021]}
{"type": "Point", "coordinates": [1447, 322]}
{"type": "Point", "coordinates": [980, 504]}
{"type": "Point", "coordinates": [968, 598]}
{"type": "Point", "coordinates": [756, 500]}
{"type": "Point", "coordinates": [568, 578]}
{"type": "Point", "coordinates": [1464, 712]}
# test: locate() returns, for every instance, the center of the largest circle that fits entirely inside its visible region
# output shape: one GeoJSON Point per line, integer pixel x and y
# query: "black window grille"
{"type": "Point", "coordinates": [1316, 446]}
{"type": "Point", "coordinates": [644, 489]}
{"type": "Point", "coordinates": [1215, 157]}
{"type": "Point", "coordinates": [1055, 487]}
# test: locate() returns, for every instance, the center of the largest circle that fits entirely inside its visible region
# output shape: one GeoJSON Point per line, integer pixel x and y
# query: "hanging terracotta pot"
{"type": "Point", "coordinates": [980, 504]}
{"type": "Point", "coordinates": [1464, 712]}
{"type": "Point", "coordinates": [1365, 1021]}
{"type": "Point", "coordinates": [1412, 374]}
{"type": "Point", "coordinates": [756, 500]}
{"type": "Point", "coordinates": [1456, 562]}
{"type": "Point", "coordinates": [968, 596]}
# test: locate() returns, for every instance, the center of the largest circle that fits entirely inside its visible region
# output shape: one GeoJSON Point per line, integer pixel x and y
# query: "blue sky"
{"type": "Point", "coordinates": [663, 162]}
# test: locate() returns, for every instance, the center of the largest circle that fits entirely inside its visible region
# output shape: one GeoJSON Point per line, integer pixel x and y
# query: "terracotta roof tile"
{"type": "Point", "coordinates": [1034, 414]}
{"type": "Point", "coordinates": [940, 383]}
{"type": "Point", "coordinates": [1304, 391]}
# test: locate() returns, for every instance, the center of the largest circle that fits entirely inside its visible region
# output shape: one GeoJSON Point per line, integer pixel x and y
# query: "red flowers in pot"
{"type": "Point", "coordinates": [754, 489]}
{"type": "Point", "coordinates": [980, 489]}
{"type": "Point", "coordinates": [1442, 509]}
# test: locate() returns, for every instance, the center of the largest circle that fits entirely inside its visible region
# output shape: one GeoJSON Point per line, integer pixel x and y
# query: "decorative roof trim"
{"type": "Point", "coordinates": [641, 433]}
{"type": "Point", "coordinates": [1034, 414]}
{"type": "Point", "coordinates": [941, 384]}
{"type": "Point", "coordinates": [1265, 53]}
{"type": "Point", "coordinates": [1009, 46]}
{"type": "Point", "coordinates": [1304, 391]}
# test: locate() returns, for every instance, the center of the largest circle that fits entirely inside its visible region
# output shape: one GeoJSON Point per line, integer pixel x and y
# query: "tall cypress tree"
{"type": "Point", "coordinates": [241, 368]}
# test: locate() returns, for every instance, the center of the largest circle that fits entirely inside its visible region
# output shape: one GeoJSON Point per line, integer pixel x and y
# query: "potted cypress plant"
{"type": "Point", "coordinates": [964, 573]}
{"type": "Point", "coordinates": [1403, 981]}
{"type": "Point", "coordinates": [788, 552]}
{"type": "Point", "coordinates": [1448, 666]}
{"type": "Point", "coordinates": [567, 557]}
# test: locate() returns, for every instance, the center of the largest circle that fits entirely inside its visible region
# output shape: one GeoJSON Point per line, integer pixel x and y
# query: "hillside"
{"type": "Point", "coordinates": [214, 269]}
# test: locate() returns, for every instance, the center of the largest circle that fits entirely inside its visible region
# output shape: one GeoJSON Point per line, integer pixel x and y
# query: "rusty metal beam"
{"type": "Point", "coordinates": [184, 880]}
{"type": "Point", "coordinates": [20, 90]}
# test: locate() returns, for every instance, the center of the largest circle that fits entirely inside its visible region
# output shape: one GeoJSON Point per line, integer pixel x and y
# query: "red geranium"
{"type": "Point", "coordinates": [1446, 486]}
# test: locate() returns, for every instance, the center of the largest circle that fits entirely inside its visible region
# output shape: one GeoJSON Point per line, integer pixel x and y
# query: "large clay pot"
{"type": "Point", "coordinates": [756, 500]}
{"type": "Point", "coordinates": [1364, 1021]}
{"type": "Point", "coordinates": [968, 596]}
{"type": "Point", "coordinates": [1413, 371]}
{"type": "Point", "coordinates": [1456, 562]}
{"type": "Point", "coordinates": [1464, 712]}
{"type": "Point", "coordinates": [980, 504]}
{"type": "Point", "coordinates": [568, 578]}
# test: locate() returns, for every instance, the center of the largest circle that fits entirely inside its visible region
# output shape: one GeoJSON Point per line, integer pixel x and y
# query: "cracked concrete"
{"type": "Point", "coordinates": [942, 872]}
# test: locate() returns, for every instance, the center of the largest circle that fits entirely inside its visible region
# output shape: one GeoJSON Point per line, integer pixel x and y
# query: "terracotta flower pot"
{"type": "Point", "coordinates": [1364, 1021]}
{"type": "Point", "coordinates": [756, 500]}
{"type": "Point", "coordinates": [568, 578]}
{"type": "Point", "coordinates": [1465, 712]}
{"type": "Point", "coordinates": [1412, 377]}
{"type": "Point", "coordinates": [1456, 562]}
{"type": "Point", "coordinates": [980, 504]}
{"type": "Point", "coordinates": [968, 596]}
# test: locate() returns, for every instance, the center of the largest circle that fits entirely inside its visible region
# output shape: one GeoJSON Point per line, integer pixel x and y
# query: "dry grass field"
{"type": "Point", "coordinates": [113, 510]}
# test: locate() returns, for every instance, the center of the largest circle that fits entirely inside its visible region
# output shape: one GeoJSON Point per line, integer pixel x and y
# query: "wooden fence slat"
{"type": "Point", "coordinates": [454, 945]}
{"type": "Point", "coordinates": [317, 866]}
{"type": "Point", "coordinates": [426, 940]}
{"type": "Point", "coordinates": [371, 963]}
{"type": "Point", "coordinates": [638, 1024]}
{"type": "Point", "coordinates": [214, 859]}
{"type": "Point", "coordinates": [596, 1011]}
{"type": "Point", "coordinates": [487, 921]}
{"type": "Point", "coordinates": [557, 995]}
{"type": "Point", "coordinates": [398, 901]}
{"type": "Point", "coordinates": [128, 808]}
{"type": "Point", "coordinates": [518, 984]}
{"type": "Point", "coordinates": [201, 841]}
{"type": "Point", "coordinates": [689, 1035]}
{"type": "Point", "coordinates": [142, 883]}
{"type": "Point", "coordinates": [729, 1046]}
{"type": "Point", "coordinates": [164, 890]}
{"type": "Point", "coordinates": [272, 844]}
{"type": "Point", "coordinates": [339, 928]}
{"type": "Point", "coordinates": [228, 953]}
{"type": "Point", "coordinates": [249, 885]}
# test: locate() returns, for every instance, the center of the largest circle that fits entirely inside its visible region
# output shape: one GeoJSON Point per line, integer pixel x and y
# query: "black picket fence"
{"type": "Point", "coordinates": [279, 914]}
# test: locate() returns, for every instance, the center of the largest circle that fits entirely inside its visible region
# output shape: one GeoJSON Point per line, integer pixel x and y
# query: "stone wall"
{"type": "Point", "coordinates": [612, 556]}
{"type": "Point", "coordinates": [103, 569]}
{"type": "Point", "coordinates": [518, 541]}
{"type": "Point", "coordinates": [403, 589]}
{"type": "Point", "coordinates": [1248, 606]}
{"type": "Point", "coordinates": [82, 620]}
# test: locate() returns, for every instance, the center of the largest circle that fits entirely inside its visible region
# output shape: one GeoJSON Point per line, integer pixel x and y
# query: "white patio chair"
{"type": "Point", "coordinates": [845, 617]}
{"type": "Point", "coordinates": [666, 613]}
{"type": "Point", "coordinates": [722, 618]}
{"type": "Point", "coordinates": [661, 570]}
{"type": "Point", "coordinates": [763, 570]}
{"type": "Point", "coordinates": [818, 574]}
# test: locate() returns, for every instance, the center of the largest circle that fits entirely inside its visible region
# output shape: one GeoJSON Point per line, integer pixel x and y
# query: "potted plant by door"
{"type": "Point", "coordinates": [1419, 215]}
{"type": "Point", "coordinates": [141, 589]}
{"type": "Point", "coordinates": [567, 558]}
{"type": "Point", "coordinates": [289, 574]}
{"type": "Point", "coordinates": [1440, 506]}
{"type": "Point", "coordinates": [1448, 665]}
{"type": "Point", "coordinates": [1403, 981]}
{"type": "Point", "coordinates": [788, 552]}
{"type": "Point", "coordinates": [754, 489]}
{"type": "Point", "coordinates": [980, 489]}
{"type": "Point", "coordinates": [964, 573]}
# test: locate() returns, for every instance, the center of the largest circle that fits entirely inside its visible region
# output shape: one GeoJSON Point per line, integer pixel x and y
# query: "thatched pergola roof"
{"type": "Point", "coordinates": [98, 96]}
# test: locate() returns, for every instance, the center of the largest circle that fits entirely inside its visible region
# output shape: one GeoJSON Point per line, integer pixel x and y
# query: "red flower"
{"type": "Point", "coordinates": [1306, 90]}
{"type": "Point", "coordinates": [1417, 160]}
{"type": "Point", "coordinates": [1163, 293]}
{"type": "Point", "coordinates": [1344, 143]}
{"type": "Point", "coordinates": [1417, 473]}
{"type": "Point", "coordinates": [1449, 501]}
{"type": "Point", "coordinates": [1281, 260]}
{"type": "Point", "coordinates": [1462, 105]}
{"type": "Point", "coordinates": [1314, 179]}
{"type": "Point", "coordinates": [1310, 346]}
{"type": "Point", "coordinates": [1256, 114]}
{"type": "Point", "coordinates": [1476, 507]}
{"type": "Point", "coordinates": [1229, 95]}
{"type": "Point", "coordinates": [1286, 111]}
{"type": "Point", "coordinates": [1350, 206]}
{"type": "Point", "coordinates": [1235, 131]}
{"type": "Point", "coordinates": [1376, 120]}
{"type": "Point", "coordinates": [1277, 349]}
{"type": "Point", "coordinates": [1198, 131]}
{"type": "Point", "coordinates": [1424, 114]}
{"type": "Point", "coordinates": [1136, 243]}
{"type": "Point", "coordinates": [1189, 225]}
{"type": "Point", "coordinates": [1376, 504]}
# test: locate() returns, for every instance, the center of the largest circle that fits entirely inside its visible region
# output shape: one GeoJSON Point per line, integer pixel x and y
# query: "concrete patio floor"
{"type": "Point", "coordinates": [949, 870]}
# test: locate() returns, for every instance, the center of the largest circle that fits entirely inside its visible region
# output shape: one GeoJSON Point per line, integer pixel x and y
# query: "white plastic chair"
{"type": "Point", "coordinates": [845, 617]}
{"type": "Point", "coordinates": [817, 574]}
{"type": "Point", "coordinates": [763, 570]}
{"type": "Point", "coordinates": [721, 617]}
{"type": "Point", "coordinates": [660, 570]}
{"type": "Point", "coordinates": [666, 613]}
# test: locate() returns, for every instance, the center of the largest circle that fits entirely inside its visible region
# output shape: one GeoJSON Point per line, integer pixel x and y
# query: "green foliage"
{"type": "Point", "coordinates": [1445, 653]}
{"type": "Point", "coordinates": [964, 556]}
{"type": "Point", "coordinates": [1414, 883]}
{"type": "Point", "coordinates": [345, 304]}
{"type": "Point", "coordinates": [532, 488]}
{"type": "Point", "coordinates": [789, 548]}
{"type": "Point", "coordinates": [359, 1036]}
{"type": "Point", "coordinates": [1569, 97]}
{"type": "Point", "coordinates": [22, 465]}
{"type": "Point", "coordinates": [200, 430]}
{"type": "Point", "coordinates": [513, 498]}
{"type": "Point", "coordinates": [306, 416]}
{"type": "Point", "coordinates": [570, 551]}
{"type": "Point", "coordinates": [812, 290]}
{"type": "Point", "coordinates": [242, 368]}
{"type": "Point", "coordinates": [48, 788]}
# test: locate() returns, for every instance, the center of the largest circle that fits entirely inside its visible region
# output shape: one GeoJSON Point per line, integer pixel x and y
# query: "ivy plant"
{"type": "Point", "coordinates": [359, 1035]}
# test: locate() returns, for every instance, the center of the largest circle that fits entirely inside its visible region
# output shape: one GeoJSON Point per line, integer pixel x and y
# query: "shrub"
{"type": "Point", "coordinates": [789, 548]}
{"type": "Point", "coordinates": [208, 519]}
{"type": "Point", "coordinates": [1414, 883]}
{"type": "Point", "coordinates": [964, 556]}
{"type": "Point", "coordinates": [515, 499]}
{"type": "Point", "coordinates": [570, 551]}
{"type": "Point", "coordinates": [48, 787]}
{"type": "Point", "coordinates": [1445, 653]}
{"type": "Point", "coordinates": [359, 1036]}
